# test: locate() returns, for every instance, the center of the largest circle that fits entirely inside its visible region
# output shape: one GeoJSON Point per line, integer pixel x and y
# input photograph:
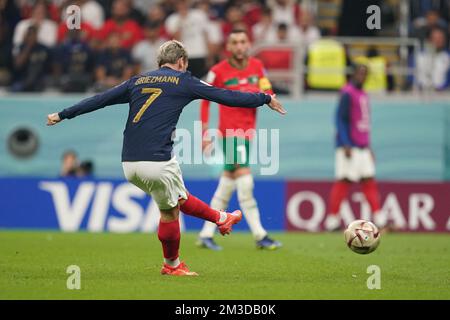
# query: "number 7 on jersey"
{"type": "Point", "coordinates": [154, 93]}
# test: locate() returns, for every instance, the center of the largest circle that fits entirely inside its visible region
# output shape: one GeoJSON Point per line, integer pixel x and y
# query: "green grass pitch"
{"type": "Point", "coordinates": [309, 266]}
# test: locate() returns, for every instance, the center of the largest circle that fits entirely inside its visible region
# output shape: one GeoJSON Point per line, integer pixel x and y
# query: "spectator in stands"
{"type": "Point", "coordinates": [219, 7]}
{"type": "Point", "coordinates": [144, 52]}
{"type": "Point", "coordinates": [419, 8]}
{"type": "Point", "coordinates": [143, 5]}
{"type": "Point", "coordinates": [234, 19]}
{"type": "Point", "coordinates": [168, 6]}
{"type": "Point", "coordinates": [72, 63]}
{"type": "Point", "coordinates": [422, 26]}
{"type": "Point", "coordinates": [46, 28]}
{"type": "Point", "coordinates": [213, 34]}
{"type": "Point", "coordinates": [283, 34]}
{"type": "Point", "coordinates": [157, 15]}
{"type": "Point", "coordinates": [264, 27]}
{"type": "Point", "coordinates": [433, 62]}
{"type": "Point", "coordinates": [251, 11]}
{"type": "Point", "coordinates": [114, 64]}
{"type": "Point", "coordinates": [10, 14]}
{"type": "Point", "coordinates": [5, 53]}
{"type": "Point", "coordinates": [30, 63]}
{"type": "Point", "coordinates": [285, 11]}
{"type": "Point", "coordinates": [86, 169]}
{"type": "Point", "coordinates": [87, 32]}
{"type": "Point", "coordinates": [53, 9]}
{"type": "Point", "coordinates": [92, 18]}
{"type": "Point", "coordinates": [308, 32]}
{"type": "Point", "coordinates": [190, 26]}
{"type": "Point", "coordinates": [135, 13]}
{"type": "Point", "coordinates": [121, 24]}
{"type": "Point", "coordinates": [69, 164]}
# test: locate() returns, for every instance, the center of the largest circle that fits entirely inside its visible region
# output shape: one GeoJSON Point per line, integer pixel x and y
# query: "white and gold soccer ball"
{"type": "Point", "coordinates": [362, 236]}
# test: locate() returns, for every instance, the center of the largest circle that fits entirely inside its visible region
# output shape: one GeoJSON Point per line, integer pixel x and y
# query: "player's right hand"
{"type": "Point", "coordinates": [276, 105]}
{"type": "Point", "coordinates": [53, 119]}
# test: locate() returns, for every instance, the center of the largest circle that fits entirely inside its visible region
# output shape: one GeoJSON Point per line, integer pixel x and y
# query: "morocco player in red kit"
{"type": "Point", "coordinates": [236, 126]}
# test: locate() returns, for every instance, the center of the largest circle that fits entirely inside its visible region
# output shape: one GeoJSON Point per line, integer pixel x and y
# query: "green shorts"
{"type": "Point", "coordinates": [236, 152]}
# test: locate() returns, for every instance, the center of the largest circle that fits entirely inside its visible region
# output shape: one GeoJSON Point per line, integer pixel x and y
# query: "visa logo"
{"type": "Point", "coordinates": [103, 198]}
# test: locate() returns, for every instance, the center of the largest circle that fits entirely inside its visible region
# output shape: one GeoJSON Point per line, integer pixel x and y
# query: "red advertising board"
{"type": "Point", "coordinates": [417, 207]}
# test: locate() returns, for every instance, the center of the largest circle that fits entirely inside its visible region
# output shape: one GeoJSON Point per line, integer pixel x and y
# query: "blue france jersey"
{"type": "Point", "coordinates": [156, 100]}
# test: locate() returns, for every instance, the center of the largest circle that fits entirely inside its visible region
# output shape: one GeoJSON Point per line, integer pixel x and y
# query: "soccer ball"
{"type": "Point", "coordinates": [362, 236]}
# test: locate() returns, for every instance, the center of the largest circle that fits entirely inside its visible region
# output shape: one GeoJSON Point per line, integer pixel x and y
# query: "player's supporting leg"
{"type": "Point", "coordinates": [169, 235]}
{"type": "Point", "coordinates": [339, 192]}
{"type": "Point", "coordinates": [370, 190]}
{"type": "Point", "coordinates": [197, 208]}
{"type": "Point", "coordinates": [247, 202]}
{"type": "Point", "coordinates": [219, 202]}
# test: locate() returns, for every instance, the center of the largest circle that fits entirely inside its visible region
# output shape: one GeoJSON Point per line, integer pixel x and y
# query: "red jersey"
{"type": "Point", "coordinates": [250, 79]}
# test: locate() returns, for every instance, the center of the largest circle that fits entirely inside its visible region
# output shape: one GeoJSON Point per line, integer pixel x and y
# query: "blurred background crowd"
{"type": "Point", "coordinates": [119, 38]}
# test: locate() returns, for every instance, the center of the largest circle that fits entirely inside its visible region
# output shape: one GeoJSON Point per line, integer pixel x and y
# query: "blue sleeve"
{"type": "Point", "coordinates": [343, 120]}
{"type": "Point", "coordinates": [198, 89]}
{"type": "Point", "coordinates": [116, 95]}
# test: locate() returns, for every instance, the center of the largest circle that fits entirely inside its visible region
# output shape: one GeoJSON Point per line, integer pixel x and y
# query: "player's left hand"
{"type": "Point", "coordinates": [53, 119]}
{"type": "Point", "coordinates": [276, 105]}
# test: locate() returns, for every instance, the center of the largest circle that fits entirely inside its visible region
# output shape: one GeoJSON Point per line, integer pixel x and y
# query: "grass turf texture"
{"type": "Point", "coordinates": [309, 266]}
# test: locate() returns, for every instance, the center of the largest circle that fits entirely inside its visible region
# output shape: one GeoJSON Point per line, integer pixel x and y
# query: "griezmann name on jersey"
{"type": "Point", "coordinates": [156, 100]}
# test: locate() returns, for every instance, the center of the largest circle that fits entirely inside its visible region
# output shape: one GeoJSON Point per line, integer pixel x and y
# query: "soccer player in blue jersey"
{"type": "Point", "coordinates": [156, 100]}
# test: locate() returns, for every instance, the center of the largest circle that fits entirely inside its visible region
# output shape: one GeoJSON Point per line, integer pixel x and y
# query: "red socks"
{"type": "Point", "coordinates": [169, 235]}
{"type": "Point", "coordinates": [370, 190]}
{"type": "Point", "coordinates": [339, 192]}
{"type": "Point", "coordinates": [197, 208]}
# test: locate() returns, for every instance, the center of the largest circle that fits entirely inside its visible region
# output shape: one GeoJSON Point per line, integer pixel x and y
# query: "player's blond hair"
{"type": "Point", "coordinates": [170, 51]}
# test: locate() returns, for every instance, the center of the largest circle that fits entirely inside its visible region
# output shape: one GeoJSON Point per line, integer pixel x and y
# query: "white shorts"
{"type": "Point", "coordinates": [162, 180]}
{"type": "Point", "coordinates": [359, 165]}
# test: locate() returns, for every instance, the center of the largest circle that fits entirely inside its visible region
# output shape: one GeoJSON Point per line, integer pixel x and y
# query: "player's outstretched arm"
{"type": "Point", "coordinates": [233, 98]}
{"type": "Point", "coordinates": [116, 95]}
